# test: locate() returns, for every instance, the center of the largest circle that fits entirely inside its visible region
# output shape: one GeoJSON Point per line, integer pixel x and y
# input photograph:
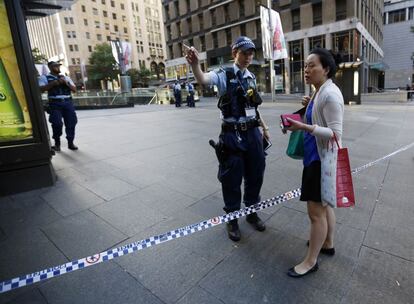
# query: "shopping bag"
{"type": "Point", "coordinates": [336, 180]}
{"type": "Point", "coordinates": [295, 146]}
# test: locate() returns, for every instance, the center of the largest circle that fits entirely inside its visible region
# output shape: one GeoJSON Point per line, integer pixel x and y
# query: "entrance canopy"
{"type": "Point", "coordinates": [41, 8]}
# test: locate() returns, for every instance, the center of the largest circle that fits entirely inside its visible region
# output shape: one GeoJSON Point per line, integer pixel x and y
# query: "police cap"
{"type": "Point", "coordinates": [52, 63]}
{"type": "Point", "coordinates": [243, 43]}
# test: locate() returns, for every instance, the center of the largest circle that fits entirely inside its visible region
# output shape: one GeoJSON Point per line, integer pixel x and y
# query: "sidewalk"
{"type": "Point", "coordinates": [146, 170]}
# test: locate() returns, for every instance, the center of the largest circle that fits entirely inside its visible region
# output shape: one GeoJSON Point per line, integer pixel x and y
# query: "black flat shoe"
{"type": "Point", "coordinates": [327, 251]}
{"type": "Point", "coordinates": [292, 273]}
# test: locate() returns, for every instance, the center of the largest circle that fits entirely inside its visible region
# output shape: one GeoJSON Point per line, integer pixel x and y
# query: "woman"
{"type": "Point", "coordinates": [324, 117]}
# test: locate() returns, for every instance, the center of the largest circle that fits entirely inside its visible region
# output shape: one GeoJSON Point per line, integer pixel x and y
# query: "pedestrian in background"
{"type": "Point", "coordinates": [323, 120]}
{"type": "Point", "coordinates": [240, 151]}
{"type": "Point", "coordinates": [59, 92]}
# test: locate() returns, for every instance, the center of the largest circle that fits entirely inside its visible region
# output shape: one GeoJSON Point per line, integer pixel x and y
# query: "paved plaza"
{"type": "Point", "coordinates": [146, 170]}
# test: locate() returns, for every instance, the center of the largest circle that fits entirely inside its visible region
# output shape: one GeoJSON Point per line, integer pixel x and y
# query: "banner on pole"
{"type": "Point", "coordinates": [273, 39]}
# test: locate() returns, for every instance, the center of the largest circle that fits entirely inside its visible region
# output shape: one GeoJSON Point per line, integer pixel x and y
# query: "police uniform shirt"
{"type": "Point", "coordinates": [219, 79]}
{"type": "Point", "coordinates": [43, 81]}
{"type": "Point", "coordinates": [177, 87]}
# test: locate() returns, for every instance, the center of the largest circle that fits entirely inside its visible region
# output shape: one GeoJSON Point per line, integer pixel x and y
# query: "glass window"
{"type": "Point", "coordinates": [95, 11]}
{"type": "Point", "coordinates": [340, 10]}
{"type": "Point", "coordinates": [396, 16]}
{"type": "Point", "coordinates": [316, 42]}
{"type": "Point", "coordinates": [411, 13]}
{"type": "Point", "coordinates": [296, 66]}
{"type": "Point", "coordinates": [296, 19]}
{"type": "Point", "coordinates": [317, 13]}
{"type": "Point", "coordinates": [344, 45]}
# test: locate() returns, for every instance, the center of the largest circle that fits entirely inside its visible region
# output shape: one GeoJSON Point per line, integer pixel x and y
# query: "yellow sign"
{"type": "Point", "coordinates": [14, 115]}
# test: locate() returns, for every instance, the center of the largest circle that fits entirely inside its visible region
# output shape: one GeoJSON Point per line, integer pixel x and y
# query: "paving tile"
{"type": "Point", "coordinates": [71, 199]}
{"type": "Point", "coordinates": [32, 296]}
{"type": "Point", "coordinates": [82, 234]}
{"type": "Point", "coordinates": [391, 230]}
{"type": "Point", "coordinates": [199, 296]}
{"type": "Point", "coordinates": [109, 187]}
{"type": "Point", "coordinates": [250, 281]}
{"type": "Point", "coordinates": [129, 214]}
{"type": "Point", "coordinates": [27, 214]}
{"type": "Point", "coordinates": [103, 283]}
{"type": "Point", "coordinates": [167, 270]}
{"type": "Point", "coordinates": [381, 277]}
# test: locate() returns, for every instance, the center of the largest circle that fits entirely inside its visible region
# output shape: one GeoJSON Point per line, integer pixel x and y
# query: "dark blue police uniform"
{"type": "Point", "coordinates": [243, 143]}
{"type": "Point", "coordinates": [61, 106]}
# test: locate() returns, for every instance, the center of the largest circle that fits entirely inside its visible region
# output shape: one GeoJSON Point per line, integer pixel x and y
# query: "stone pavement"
{"type": "Point", "coordinates": [147, 170]}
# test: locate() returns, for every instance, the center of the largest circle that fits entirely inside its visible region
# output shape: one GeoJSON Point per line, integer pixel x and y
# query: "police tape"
{"type": "Point", "coordinates": [113, 253]}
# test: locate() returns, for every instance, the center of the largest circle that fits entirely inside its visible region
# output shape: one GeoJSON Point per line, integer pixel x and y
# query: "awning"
{"type": "Point", "coordinates": [380, 66]}
{"type": "Point", "coordinates": [41, 8]}
{"type": "Point", "coordinates": [350, 64]}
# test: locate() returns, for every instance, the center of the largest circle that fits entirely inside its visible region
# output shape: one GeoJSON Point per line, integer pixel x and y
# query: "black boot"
{"type": "Point", "coordinates": [72, 146]}
{"type": "Point", "coordinates": [56, 147]}
{"type": "Point", "coordinates": [255, 221]}
{"type": "Point", "coordinates": [233, 230]}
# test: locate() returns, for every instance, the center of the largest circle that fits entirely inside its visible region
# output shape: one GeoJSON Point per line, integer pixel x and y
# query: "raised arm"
{"type": "Point", "coordinates": [192, 57]}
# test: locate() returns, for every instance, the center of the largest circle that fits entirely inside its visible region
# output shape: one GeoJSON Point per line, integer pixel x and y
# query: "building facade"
{"type": "Point", "coordinates": [352, 28]}
{"type": "Point", "coordinates": [72, 34]}
{"type": "Point", "coordinates": [398, 30]}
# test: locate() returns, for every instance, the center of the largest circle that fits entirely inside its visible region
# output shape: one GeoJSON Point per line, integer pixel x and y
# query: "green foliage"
{"type": "Point", "coordinates": [139, 77]}
{"type": "Point", "coordinates": [102, 63]}
{"type": "Point", "coordinates": [38, 57]}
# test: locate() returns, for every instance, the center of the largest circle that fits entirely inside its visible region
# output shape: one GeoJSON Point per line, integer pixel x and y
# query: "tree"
{"type": "Point", "coordinates": [140, 76]}
{"type": "Point", "coordinates": [38, 57]}
{"type": "Point", "coordinates": [102, 64]}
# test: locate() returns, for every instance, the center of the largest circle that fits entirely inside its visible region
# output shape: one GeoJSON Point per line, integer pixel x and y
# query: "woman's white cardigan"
{"type": "Point", "coordinates": [327, 116]}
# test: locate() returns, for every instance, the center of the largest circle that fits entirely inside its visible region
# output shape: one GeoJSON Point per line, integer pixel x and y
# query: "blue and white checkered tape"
{"type": "Point", "coordinates": [111, 254]}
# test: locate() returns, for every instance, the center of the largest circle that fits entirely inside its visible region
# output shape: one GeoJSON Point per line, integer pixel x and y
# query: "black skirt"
{"type": "Point", "coordinates": [311, 183]}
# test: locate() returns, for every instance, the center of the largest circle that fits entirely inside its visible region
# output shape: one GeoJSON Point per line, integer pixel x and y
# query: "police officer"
{"type": "Point", "coordinates": [177, 94]}
{"type": "Point", "coordinates": [59, 89]}
{"type": "Point", "coordinates": [190, 96]}
{"type": "Point", "coordinates": [241, 152]}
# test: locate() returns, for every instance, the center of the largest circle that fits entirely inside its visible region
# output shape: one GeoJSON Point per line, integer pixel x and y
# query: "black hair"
{"type": "Point", "coordinates": [327, 59]}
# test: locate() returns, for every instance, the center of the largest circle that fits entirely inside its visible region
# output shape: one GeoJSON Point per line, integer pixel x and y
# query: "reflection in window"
{"type": "Point", "coordinates": [316, 42]}
{"type": "Point", "coordinates": [344, 45]}
{"type": "Point", "coordinates": [296, 66]}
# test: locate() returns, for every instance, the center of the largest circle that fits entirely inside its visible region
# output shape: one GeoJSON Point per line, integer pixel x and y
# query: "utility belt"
{"type": "Point", "coordinates": [239, 126]}
{"type": "Point", "coordinates": [60, 99]}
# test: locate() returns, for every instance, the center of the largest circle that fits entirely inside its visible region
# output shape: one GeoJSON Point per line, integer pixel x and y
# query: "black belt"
{"type": "Point", "coordinates": [59, 99]}
{"type": "Point", "coordinates": [239, 126]}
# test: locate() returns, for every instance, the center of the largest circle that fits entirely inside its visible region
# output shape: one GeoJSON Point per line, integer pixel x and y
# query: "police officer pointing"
{"type": "Point", "coordinates": [59, 89]}
{"type": "Point", "coordinates": [240, 148]}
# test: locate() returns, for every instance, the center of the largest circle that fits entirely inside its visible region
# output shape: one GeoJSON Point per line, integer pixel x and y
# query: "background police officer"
{"type": "Point", "coordinates": [190, 96]}
{"type": "Point", "coordinates": [241, 139]}
{"type": "Point", "coordinates": [59, 89]}
{"type": "Point", "coordinates": [177, 94]}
